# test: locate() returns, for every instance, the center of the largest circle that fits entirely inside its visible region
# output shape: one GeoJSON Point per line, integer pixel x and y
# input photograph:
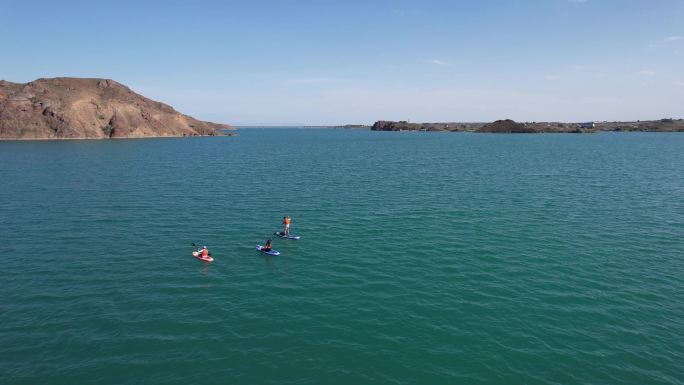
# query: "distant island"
{"type": "Point", "coordinates": [78, 108]}
{"type": "Point", "coordinates": [510, 126]}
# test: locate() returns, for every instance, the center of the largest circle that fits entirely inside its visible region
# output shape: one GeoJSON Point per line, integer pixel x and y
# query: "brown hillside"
{"type": "Point", "coordinates": [63, 108]}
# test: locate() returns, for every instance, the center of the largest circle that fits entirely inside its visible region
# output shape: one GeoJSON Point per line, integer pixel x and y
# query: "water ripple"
{"type": "Point", "coordinates": [425, 258]}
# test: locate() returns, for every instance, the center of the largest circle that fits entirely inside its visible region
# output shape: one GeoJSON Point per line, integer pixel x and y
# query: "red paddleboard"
{"type": "Point", "coordinates": [199, 256]}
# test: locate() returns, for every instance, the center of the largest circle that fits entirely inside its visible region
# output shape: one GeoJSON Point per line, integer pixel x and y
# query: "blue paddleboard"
{"type": "Point", "coordinates": [272, 252]}
{"type": "Point", "coordinates": [293, 237]}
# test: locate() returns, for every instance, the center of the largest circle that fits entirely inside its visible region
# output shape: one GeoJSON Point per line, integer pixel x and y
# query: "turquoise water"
{"type": "Point", "coordinates": [426, 258]}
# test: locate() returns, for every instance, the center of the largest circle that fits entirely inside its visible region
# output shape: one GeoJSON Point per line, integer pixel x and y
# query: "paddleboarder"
{"type": "Point", "coordinates": [286, 224]}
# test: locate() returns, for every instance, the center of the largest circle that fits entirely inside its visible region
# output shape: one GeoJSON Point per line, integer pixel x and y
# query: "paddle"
{"type": "Point", "coordinates": [196, 244]}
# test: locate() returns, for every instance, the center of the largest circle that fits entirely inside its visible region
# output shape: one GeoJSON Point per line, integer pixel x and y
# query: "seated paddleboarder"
{"type": "Point", "coordinates": [205, 252]}
{"type": "Point", "coordinates": [286, 224]}
{"type": "Point", "coordinates": [268, 246]}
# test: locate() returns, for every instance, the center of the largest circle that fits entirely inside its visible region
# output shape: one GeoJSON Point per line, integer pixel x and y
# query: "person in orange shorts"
{"type": "Point", "coordinates": [286, 224]}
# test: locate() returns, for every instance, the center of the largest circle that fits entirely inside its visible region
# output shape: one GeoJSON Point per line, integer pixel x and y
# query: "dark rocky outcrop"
{"type": "Point", "coordinates": [71, 108]}
{"type": "Point", "coordinates": [386, 125]}
{"type": "Point", "coordinates": [507, 126]}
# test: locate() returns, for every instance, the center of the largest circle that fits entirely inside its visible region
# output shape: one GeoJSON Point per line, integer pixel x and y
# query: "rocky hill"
{"type": "Point", "coordinates": [71, 108]}
{"type": "Point", "coordinates": [506, 126]}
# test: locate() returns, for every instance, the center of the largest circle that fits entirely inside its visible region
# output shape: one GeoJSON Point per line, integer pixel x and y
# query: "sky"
{"type": "Point", "coordinates": [337, 62]}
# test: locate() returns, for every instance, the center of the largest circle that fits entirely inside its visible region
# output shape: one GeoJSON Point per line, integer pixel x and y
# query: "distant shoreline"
{"type": "Point", "coordinates": [508, 126]}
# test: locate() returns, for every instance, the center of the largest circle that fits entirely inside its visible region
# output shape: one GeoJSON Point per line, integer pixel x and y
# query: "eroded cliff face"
{"type": "Point", "coordinates": [71, 108]}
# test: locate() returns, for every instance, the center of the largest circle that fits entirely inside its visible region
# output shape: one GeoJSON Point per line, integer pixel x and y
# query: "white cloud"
{"type": "Point", "coordinates": [679, 83]}
{"type": "Point", "coordinates": [648, 73]}
{"type": "Point", "coordinates": [315, 80]}
{"type": "Point", "coordinates": [440, 63]}
{"type": "Point", "coordinates": [672, 38]}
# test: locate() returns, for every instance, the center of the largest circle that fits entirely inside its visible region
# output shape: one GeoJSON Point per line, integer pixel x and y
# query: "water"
{"type": "Point", "coordinates": [425, 258]}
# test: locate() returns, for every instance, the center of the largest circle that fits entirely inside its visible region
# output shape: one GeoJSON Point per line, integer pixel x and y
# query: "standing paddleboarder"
{"type": "Point", "coordinates": [286, 224]}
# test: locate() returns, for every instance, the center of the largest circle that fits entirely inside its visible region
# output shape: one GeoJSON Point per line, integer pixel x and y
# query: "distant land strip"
{"type": "Point", "coordinates": [510, 126]}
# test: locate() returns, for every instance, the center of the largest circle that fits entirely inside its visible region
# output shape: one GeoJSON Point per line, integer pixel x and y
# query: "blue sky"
{"type": "Point", "coordinates": [329, 62]}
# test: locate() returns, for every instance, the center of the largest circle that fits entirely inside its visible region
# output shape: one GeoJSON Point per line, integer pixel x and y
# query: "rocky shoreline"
{"type": "Point", "coordinates": [509, 126]}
